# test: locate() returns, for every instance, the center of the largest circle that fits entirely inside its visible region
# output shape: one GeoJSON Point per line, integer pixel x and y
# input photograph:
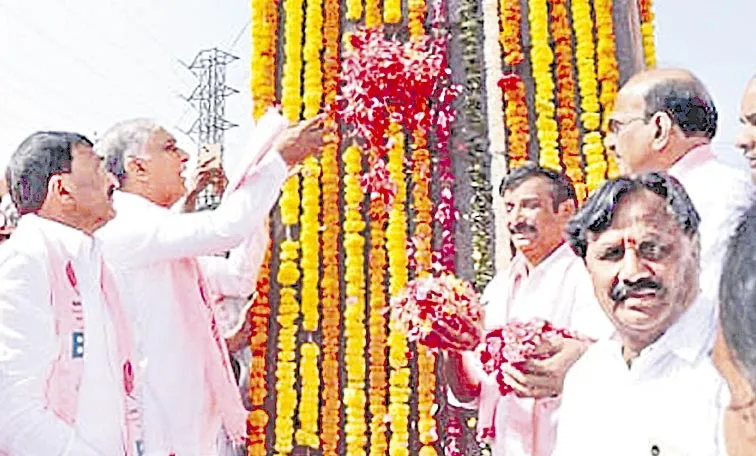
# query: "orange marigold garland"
{"type": "Point", "coordinates": [422, 261]}
{"type": "Point", "coordinates": [516, 110]}
{"type": "Point", "coordinates": [511, 16]}
{"type": "Point", "coordinates": [354, 314]}
{"type": "Point", "coordinates": [377, 323]}
{"type": "Point", "coordinates": [569, 136]}
{"type": "Point", "coordinates": [396, 242]}
{"type": "Point", "coordinates": [262, 82]}
{"type": "Point", "coordinates": [258, 344]}
{"type": "Point", "coordinates": [329, 282]}
{"type": "Point", "coordinates": [647, 32]}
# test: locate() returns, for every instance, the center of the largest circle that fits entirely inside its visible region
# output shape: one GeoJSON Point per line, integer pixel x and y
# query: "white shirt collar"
{"type": "Point", "coordinates": [692, 160]}
{"type": "Point", "coordinates": [74, 241]}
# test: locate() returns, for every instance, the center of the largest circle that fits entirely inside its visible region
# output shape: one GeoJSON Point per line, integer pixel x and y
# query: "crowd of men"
{"type": "Point", "coordinates": [110, 344]}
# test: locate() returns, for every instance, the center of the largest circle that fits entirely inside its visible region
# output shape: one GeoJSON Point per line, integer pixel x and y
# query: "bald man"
{"type": "Point", "coordinates": [665, 120]}
{"type": "Point", "coordinates": [746, 139]}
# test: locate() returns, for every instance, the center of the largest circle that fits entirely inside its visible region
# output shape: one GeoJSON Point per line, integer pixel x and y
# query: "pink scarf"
{"type": "Point", "coordinates": [65, 376]}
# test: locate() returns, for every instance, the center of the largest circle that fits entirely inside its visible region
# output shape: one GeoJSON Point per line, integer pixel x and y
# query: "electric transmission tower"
{"type": "Point", "coordinates": [209, 99]}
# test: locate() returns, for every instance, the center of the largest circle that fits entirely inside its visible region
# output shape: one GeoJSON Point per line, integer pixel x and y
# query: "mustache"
{"type": "Point", "coordinates": [622, 290]}
{"type": "Point", "coordinates": [522, 228]}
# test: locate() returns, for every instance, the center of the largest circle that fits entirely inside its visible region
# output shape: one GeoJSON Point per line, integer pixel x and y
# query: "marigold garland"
{"type": "Point", "coordinates": [258, 344]}
{"type": "Point", "coordinates": [354, 314]}
{"type": "Point", "coordinates": [372, 13]}
{"type": "Point", "coordinates": [593, 148]}
{"type": "Point", "coordinates": [264, 24]}
{"type": "Point", "coordinates": [392, 11]}
{"type": "Point", "coordinates": [422, 259]}
{"type": "Point", "coordinates": [354, 10]}
{"type": "Point", "coordinates": [511, 17]}
{"type": "Point", "coordinates": [607, 69]}
{"type": "Point", "coordinates": [541, 58]}
{"type": "Point", "coordinates": [288, 272]}
{"type": "Point", "coordinates": [313, 84]}
{"type": "Point", "coordinates": [495, 98]}
{"type": "Point", "coordinates": [396, 241]}
{"type": "Point", "coordinates": [647, 32]}
{"type": "Point", "coordinates": [416, 17]}
{"type": "Point", "coordinates": [377, 324]}
{"type": "Point", "coordinates": [569, 136]}
{"type": "Point", "coordinates": [330, 280]}
{"type": "Point", "coordinates": [307, 434]}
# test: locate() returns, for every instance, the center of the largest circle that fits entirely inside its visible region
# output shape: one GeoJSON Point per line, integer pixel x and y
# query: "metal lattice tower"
{"type": "Point", "coordinates": [209, 99]}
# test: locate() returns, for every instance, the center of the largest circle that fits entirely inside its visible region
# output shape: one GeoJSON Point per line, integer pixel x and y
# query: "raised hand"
{"type": "Point", "coordinates": [301, 140]}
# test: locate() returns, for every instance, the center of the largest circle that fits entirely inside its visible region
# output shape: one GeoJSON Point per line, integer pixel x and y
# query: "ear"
{"type": "Point", "coordinates": [136, 168]}
{"type": "Point", "coordinates": [663, 126]}
{"type": "Point", "coordinates": [57, 188]}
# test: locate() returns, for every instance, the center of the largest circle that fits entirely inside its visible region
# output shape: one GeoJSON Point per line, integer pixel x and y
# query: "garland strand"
{"type": "Point", "coordinates": [542, 58]}
{"type": "Point", "coordinates": [288, 272]}
{"type": "Point", "coordinates": [329, 282]}
{"type": "Point", "coordinates": [645, 8]}
{"type": "Point", "coordinates": [372, 13]}
{"type": "Point", "coordinates": [607, 69]}
{"type": "Point", "coordinates": [354, 314]}
{"type": "Point", "coordinates": [569, 136]}
{"type": "Point", "coordinates": [392, 11]}
{"type": "Point", "coordinates": [354, 10]}
{"type": "Point", "coordinates": [396, 242]}
{"type": "Point", "coordinates": [516, 111]}
{"type": "Point", "coordinates": [593, 148]}
{"type": "Point", "coordinates": [258, 343]}
{"type": "Point", "coordinates": [262, 82]}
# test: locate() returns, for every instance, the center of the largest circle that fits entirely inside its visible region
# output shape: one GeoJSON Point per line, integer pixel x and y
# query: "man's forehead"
{"type": "Point", "coordinates": [642, 212]}
{"type": "Point", "coordinates": [163, 136]}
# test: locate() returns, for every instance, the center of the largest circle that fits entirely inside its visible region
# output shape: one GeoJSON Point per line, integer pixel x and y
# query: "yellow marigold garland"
{"type": "Point", "coordinates": [307, 434]}
{"type": "Point", "coordinates": [313, 84]}
{"type": "Point", "coordinates": [288, 272]}
{"type": "Point", "coordinates": [645, 8]}
{"type": "Point", "coordinates": [416, 17]}
{"type": "Point", "coordinates": [354, 10]}
{"type": "Point", "coordinates": [593, 148]}
{"type": "Point", "coordinates": [354, 314]}
{"type": "Point", "coordinates": [262, 82]}
{"type": "Point", "coordinates": [377, 324]}
{"type": "Point", "coordinates": [396, 242]}
{"type": "Point", "coordinates": [392, 11]}
{"type": "Point", "coordinates": [542, 58]}
{"type": "Point", "coordinates": [423, 258]}
{"type": "Point", "coordinates": [329, 282]}
{"type": "Point", "coordinates": [258, 344]}
{"type": "Point", "coordinates": [607, 69]}
{"type": "Point", "coordinates": [569, 136]}
{"type": "Point", "coordinates": [372, 13]}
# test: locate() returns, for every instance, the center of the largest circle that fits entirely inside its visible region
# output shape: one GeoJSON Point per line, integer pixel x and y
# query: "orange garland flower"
{"type": "Point", "coordinates": [511, 16]}
{"type": "Point", "coordinates": [330, 216]}
{"type": "Point", "coordinates": [569, 136]}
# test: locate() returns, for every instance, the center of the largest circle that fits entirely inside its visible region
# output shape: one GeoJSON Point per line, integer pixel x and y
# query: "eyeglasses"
{"type": "Point", "coordinates": [616, 125]}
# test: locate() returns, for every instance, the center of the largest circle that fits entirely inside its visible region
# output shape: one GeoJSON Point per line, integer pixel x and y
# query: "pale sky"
{"type": "Point", "coordinates": [84, 64]}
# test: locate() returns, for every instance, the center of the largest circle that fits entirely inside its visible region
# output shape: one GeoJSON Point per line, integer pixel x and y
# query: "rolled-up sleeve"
{"type": "Point", "coordinates": [28, 347]}
{"type": "Point", "coordinates": [132, 241]}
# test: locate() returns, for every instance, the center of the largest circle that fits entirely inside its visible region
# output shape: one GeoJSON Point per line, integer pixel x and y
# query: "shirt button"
{"type": "Point", "coordinates": [655, 451]}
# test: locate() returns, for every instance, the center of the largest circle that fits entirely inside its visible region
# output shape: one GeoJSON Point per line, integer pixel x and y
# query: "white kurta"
{"type": "Point", "coordinates": [29, 346]}
{"type": "Point", "coordinates": [667, 399]}
{"type": "Point", "coordinates": [720, 194]}
{"type": "Point", "coordinates": [141, 245]}
{"type": "Point", "coordinates": [559, 290]}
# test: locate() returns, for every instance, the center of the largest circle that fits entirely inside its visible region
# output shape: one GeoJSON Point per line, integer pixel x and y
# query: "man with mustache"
{"type": "Point", "coordinates": [545, 280]}
{"type": "Point", "coordinates": [192, 405]}
{"type": "Point", "coordinates": [66, 367]}
{"type": "Point", "coordinates": [651, 388]}
{"type": "Point", "coordinates": [665, 120]}
{"type": "Point", "coordinates": [746, 139]}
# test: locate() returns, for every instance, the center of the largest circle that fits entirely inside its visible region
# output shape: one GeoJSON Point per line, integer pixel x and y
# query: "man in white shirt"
{"type": "Point", "coordinates": [66, 382]}
{"type": "Point", "coordinates": [545, 280]}
{"type": "Point", "coordinates": [191, 403]}
{"type": "Point", "coordinates": [735, 348]}
{"type": "Point", "coordinates": [665, 120]}
{"type": "Point", "coordinates": [651, 388]}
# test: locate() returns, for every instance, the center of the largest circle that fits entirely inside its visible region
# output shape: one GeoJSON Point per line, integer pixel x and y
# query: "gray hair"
{"type": "Point", "coordinates": [123, 140]}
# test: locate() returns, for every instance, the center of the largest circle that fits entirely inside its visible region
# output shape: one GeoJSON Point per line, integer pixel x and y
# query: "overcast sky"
{"type": "Point", "coordinates": [84, 64]}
